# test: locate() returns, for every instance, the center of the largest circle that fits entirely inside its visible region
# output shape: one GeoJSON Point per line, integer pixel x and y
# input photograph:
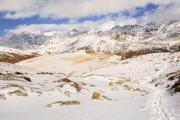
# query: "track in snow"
{"type": "Point", "coordinates": [157, 102]}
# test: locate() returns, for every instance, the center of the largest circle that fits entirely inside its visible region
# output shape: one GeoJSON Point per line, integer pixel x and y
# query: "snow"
{"type": "Point", "coordinates": [125, 104]}
{"type": "Point", "coordinates": [135, 97]}
{"type": "Point", "coordinates": [75, 64]}
{"type": "Point", "coordinates": [72, 62]}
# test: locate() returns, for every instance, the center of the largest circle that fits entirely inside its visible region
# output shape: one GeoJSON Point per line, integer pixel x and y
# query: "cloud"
{"type": "Point", "coordinates": [103, 24]}
{"type": "Point", "coordinates": [15, 9]}
{"type": "Point", "coordinates": [165, 13]}
{"type": "Point", "coordinates": [38, 28]}
{"type": "Point", "coordinates": [75, 9]}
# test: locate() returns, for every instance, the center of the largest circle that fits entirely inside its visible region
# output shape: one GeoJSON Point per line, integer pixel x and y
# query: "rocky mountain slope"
{"type": "Point", "coordinates": [113, 41]}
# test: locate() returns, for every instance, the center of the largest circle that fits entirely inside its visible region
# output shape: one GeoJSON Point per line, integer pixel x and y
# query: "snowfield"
{"type": "Point", "coordinates": [127, 73]}
{"type": "Point", "coordinates": [124, 89]}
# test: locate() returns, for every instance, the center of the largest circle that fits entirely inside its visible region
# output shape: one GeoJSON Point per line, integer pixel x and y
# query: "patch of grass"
{"type": "Point", "coordinates": [72, 102]}
{"type": "Point", "coordinates": [18, 93]}
{"type": "Point", "coordinates": [127, 87]}
{"type": "Point", "coordinates": [76, 86]}
{"type": "Point", "coordinates": [11, 76]}
{"type": "Point", "coordinates": [45, 73]}
{"type": "Point", "coordinates": [144, 92]}
{"type": "Point", "coordinates": [119, 82]}
{"type": "Point", "coordinates": [96, 95]}
{"type": "Point", "coordinates": [73, 84]}
{"type": "Point", "coordinates": [106, 98]}
{"type": "Point", "coordinates": [2, 97]}
{"type": "Point", "coordinates": [8, 76]}
{"type": "Point", "coordinates": [63, 103]}
{"type": "Point", "coordinates": [90, 52]}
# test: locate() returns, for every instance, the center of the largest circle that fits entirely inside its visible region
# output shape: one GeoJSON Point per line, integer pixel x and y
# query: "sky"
{"type": "Point", "coordinates": [55, 15]}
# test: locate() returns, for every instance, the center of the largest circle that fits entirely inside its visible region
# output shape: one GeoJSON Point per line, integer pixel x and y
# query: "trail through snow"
{"type": "Point", "coordinates": [157, 102]}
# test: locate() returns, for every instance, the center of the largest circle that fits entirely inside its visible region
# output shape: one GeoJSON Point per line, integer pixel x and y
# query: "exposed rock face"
{"type": "Point", "coordinates": [24, 40]}
{"type": "Point", "coordinates": [175, 76]}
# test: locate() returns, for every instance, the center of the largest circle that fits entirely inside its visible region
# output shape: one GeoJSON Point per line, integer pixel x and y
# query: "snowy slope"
{"type": "Point", "coordinates": [128, 89]}
{"type": "Point", "coordinates": [72, 62]}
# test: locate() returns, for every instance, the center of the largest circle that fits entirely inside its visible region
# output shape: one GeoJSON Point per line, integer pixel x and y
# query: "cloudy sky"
{"type": "Point", "coordinates": [54, 15]}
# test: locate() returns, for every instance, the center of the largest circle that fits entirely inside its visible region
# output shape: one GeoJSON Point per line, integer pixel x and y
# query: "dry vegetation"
{"type": "Point", "coordinates": [14, 58]}
{"type": "Point", "coordinates": [64, 81]}
{"type": "Point", "coordinates": [129, 85]}
{"type": "Point", "coordinates": [2, 97]}
{"type": "Point", "coordinates": [131, 53]}
{"type": "Point", "coordinates": [18, 93]}
{"type": "Point", "coordinates": [14, 76]}
{"type": "Point", "coordinates": [97, 95]}
{"type": "Point", "coordinates": [62, 103]}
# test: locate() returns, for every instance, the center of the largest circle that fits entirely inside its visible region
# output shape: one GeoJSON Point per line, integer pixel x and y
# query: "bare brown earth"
{"type": "Point", "coordinates": [14, 58]}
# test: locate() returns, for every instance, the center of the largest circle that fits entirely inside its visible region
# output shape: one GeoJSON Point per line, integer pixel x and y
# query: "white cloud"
{"type": "Point", "coordinates": [164, 13]}
{"type": "Point", "coordinates": [82, 8]}
{"type": "Point", "coordinates": [68, 8]}
{"type": "Point", "coordinates": [103, 24]}
{"type": "Point", "coordinates": [51, 27]}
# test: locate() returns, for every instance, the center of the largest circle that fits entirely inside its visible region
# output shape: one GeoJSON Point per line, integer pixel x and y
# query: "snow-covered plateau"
{"type": "Point", "coordinates": [129, 72]}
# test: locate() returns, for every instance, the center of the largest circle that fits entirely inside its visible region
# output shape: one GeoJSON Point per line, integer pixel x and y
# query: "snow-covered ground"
{"type": "Point", "coordinates": [86, 86]}
{"type": "Point", "coordinates": [127, 73]}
